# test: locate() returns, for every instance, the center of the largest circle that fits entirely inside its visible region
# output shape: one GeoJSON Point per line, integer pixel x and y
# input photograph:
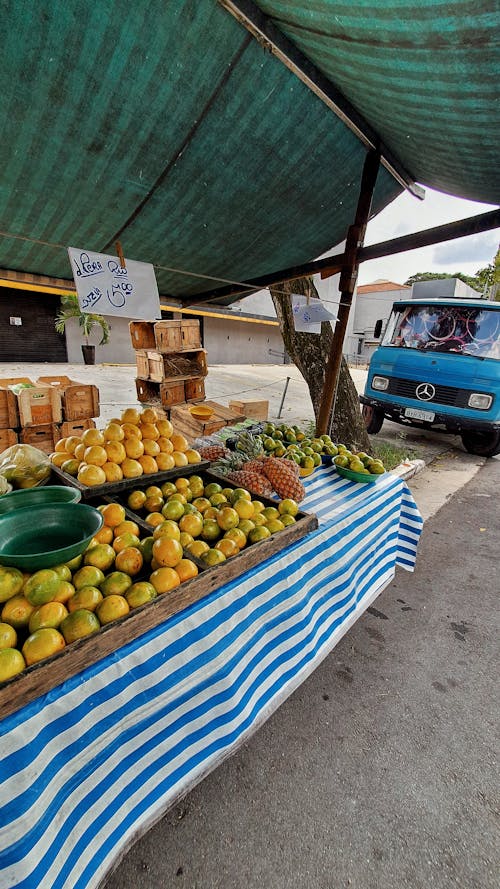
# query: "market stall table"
{"type": "Point", "coordinates": [91, 765]}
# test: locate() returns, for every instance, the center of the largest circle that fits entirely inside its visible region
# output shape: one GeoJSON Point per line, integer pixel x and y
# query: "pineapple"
{"type": "Point", "coordinates": [213, 452]}
{"type": "Point", "coordinates": [252, 481]}
{"type": "Point", "coordinates": [283, 479]}
{"type": "Point", "coordinates": [249, 446]}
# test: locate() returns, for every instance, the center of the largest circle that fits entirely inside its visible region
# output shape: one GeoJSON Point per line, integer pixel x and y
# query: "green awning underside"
{"type": "Point", "coordinates": [166, 124]}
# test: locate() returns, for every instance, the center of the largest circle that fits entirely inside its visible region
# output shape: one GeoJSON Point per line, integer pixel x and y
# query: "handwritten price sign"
{"type": "Point", "coordinates": [103, 286]}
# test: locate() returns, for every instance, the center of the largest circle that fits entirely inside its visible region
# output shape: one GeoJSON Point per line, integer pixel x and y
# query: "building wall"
{"type": "Point", "coordinates": [118, 351]}
{"type": "Point", "coordinates": [240, 342]}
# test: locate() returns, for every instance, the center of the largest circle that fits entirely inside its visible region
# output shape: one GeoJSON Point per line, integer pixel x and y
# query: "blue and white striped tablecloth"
{"type": "Point", "coordinates": [93, 763]}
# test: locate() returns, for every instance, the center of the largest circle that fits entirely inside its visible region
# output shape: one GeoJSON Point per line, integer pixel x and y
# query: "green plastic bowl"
{"type": "Point", "coordinates": [31, 539]}
{"type": "Point", "coordinates": [35, 497]}
{"type": "Point", "coordinates": [364, 478]}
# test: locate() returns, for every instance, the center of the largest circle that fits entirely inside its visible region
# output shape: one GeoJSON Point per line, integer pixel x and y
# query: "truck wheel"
{"type": "Point", "coordinates": [483, 444]}
{"type": "Point", "coordinates": [373, 418]}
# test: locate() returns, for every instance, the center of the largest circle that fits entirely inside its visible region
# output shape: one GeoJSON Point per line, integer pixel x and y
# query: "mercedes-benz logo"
{"type": "Point", "coordinates": [425, 391]}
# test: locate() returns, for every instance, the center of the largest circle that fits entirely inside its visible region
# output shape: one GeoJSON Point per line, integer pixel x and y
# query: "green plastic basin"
{"type": "Point", "coordinates": [31, 539]}
{"type": "Point", "coordinates": [35, 497]}
{"type": "Point", "coordinates": [364, 478]}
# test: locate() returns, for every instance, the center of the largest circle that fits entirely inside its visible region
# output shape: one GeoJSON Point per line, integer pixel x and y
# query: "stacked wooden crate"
{"type": "Point", "coordinates": [171, 365]}
{"type": "Point", "coordinates": [41, 413]}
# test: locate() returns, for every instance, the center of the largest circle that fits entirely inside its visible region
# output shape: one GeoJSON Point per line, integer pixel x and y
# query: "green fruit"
{"type": "Point", "coordinates": [341, 460]}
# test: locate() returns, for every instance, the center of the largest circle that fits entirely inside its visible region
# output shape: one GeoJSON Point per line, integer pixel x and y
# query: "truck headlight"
{"type": "Point", "coordinates": [380, 383]}
{"type": "Point", "coordinates": [480, 401]}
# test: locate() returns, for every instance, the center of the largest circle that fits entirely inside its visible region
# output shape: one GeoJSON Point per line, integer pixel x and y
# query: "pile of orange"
{"type": "Point", "coordinates": [138, 443]}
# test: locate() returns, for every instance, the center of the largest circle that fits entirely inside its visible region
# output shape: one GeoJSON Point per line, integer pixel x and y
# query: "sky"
{"type": "Point", "coordinates": [406, 215]}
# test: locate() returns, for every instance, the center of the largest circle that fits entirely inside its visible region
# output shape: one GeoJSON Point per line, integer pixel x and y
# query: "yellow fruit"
{"type": "Point", "coordinates": [154, 503]}
{"type": "Point", "coordinates": [43, 643]}
{"type": "Point", "coordinates": [129, 560]}
{"type": "Point", "coordinates": [164, 444]}
{"type": "Point", "coordinates": [131, 468]}
{"type": "Point", "coordinates": [168, 529]}
{"type": "Point", "coordinates": [149, 464]}
{"type": "Point", "coordinates": [49, 615]}
{"type": "Point", "coordinates": [198, 547]}
{"type": "Point", "coordinates": [79, 451]}
{"type": "Point", "coordinates": [112, 472]}
{"type": "Point", "coordinates": [288, 507]}
{"type": "Point", "coordinates": [134, 448]}
{"type": "Point", "coordinates": [186, 539]}
{"type": "Point", "coordinates": [111, 608]}
{"type": "Point", "coordinates": [89, 575]}
{"type": "Point", "coordinates": [227, 518]}
{"type": "Point", "coordinates": [116, 451]}
{"type": "Point", "coordinates": [237, 535]}
{"type": "Point", "coordinates": [136, 500]}
{"type": "Point", "coordinates": [259, 533]}
{"type": "Point", "coordinates": [42, 586]}
{"type": "Point", "coordinates": [60, 445]}
{"type": "Point", "coordinates": [113, 514]}
{"type": "Point", "coordinates": [186, 569]}
{"type": "Point", "coordinates": [125, 540]}
{"type": "Point", "coordinates": [101, 556]}
{"type": "Point", "coordinates": [140, 593]}
{"type": "Point", "coordinates": [58, 458]}
{"type": "Point", "coordinates": [104, 535]}
{"type": "Point", "coordinates": [179, 442]}
{"type": "Point", "coordinates": [227, 547]}
{"type": "Point", "coordinates": [11, 663]}
{"type": "Point", "coordinates": [72, 442]}
{"type": "Point", "coordinates": [65, 591]}
{"type": "Point", "coordinates": [192, 455]}
{"type": "Point", "coordinates": [88, 598]}
{"type": "Point", "coordinates": [192, 524]}
{"type": "Point", "coordinates": [154, 519]}
{"type": "Point", "coordinates": [149, 430]}
{"type": "Point", "coordinates": [167, 552]}
{"type": "Point", "coordinates": [151, 447]}
{"type": "Point", "coordinates": [130, 431]}
{"type": "Point", "coordinates": [95, 455]}
{"type": "Point", "coordinates": [131, 415]}
{"type": "Point", "coordinates": [180, 458]}
{"type": "Point", "coordinates": [213, 557]}
{"type": "Point", "coordinates": [113, 432]}
{"type": "Point", "coordinates": [165, 428]}
{"type": "Point", "coordinates": [8, 636]}
{"type": "Point", "coordinates": [91, 476]}
{"type": "Point", "coordinates": [116, 584]}
{"type": "Point", "coordinates": [165, 579]}
{"type": "Point", "coordinates": [127, 527]}
{"type": "Point", "coordinates": [11, 582]}
{"type": "Point", "coordinates": [92, 437]}
{"type": "Point", "coordinates": [148, 415]}
{"type": "Point", "coordinates": [244, 508]}
{"type": "Point", "coordinates": [71, 466]}
{"type": "Point", "coordinates": [165, 461]}
{"type": "Point", "coordinates": [79, 624]}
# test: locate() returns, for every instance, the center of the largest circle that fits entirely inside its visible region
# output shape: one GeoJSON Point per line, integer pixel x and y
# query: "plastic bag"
{"type": "Point", "coordinates": [5, 488]}
{"type": "Point", "coordinates": [24, 466]}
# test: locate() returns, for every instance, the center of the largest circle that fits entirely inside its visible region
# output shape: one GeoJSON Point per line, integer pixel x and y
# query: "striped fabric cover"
{"type": "Point", "coordinates": [89, 766]}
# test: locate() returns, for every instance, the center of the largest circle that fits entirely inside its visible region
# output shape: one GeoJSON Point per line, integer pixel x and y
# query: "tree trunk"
{"type": "Point", "coordinates": [309, 352]}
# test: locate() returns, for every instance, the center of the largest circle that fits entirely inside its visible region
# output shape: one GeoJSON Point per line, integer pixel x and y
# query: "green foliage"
{"type": "Point", "coordinates": [483, 281]}
{"type": "Point", "coordinates": [87, 321]}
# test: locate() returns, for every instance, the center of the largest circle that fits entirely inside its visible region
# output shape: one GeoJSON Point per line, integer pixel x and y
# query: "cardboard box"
{"type": "Point", "coordinates": [78, 400]}
{"type": "Point", "coordinates": [36, 405]}
{"type": "Point", "coordinates": [256, 410]}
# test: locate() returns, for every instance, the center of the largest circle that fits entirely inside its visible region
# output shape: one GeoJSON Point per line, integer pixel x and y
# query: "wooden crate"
{"type": "Point", "coordinates": [194, 427]}
{"type": "Point", "coordinates": [39, 406]}
{"type": "Point", "coordinates": [190, 333]}
{"type": "Point", "coordinates": [125, 485]}
{"type": "Point", "coordinates": [256, 410]}
{"type": "Point", "coordinates": [9, 416]}
{"type": "Point", "coordinates": [78, 400]}
{"type": "Point", "coordinates": [142, 363]}
{"type": "Point", "coordinates": [142, 334]}
{"type": "Point", "coordinates": [43, 437]}
{"type": "Point", "coordinates": [8, 437]}
{"type": "Point", "coordinates": [168, 336]}
{"type": "Point", "coordinates": [176, 365]}
{"type": "Point", "coordinates": [194, 389]}
{"type": "Point", "coordinates": [160, 394]}
{"type": "Point", "coordinates": [76, 427]}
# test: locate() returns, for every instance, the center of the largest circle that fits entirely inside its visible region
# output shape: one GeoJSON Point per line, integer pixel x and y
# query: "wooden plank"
{"type": "Point", "coordinates": [127, 484]}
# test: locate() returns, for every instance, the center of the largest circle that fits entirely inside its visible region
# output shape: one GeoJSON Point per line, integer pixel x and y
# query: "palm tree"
{"type": "Point", "coordinates": [88, 321]}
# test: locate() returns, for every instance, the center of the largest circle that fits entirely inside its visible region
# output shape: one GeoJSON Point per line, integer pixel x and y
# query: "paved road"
{"type": "Point", "coordinates": [380, 770]}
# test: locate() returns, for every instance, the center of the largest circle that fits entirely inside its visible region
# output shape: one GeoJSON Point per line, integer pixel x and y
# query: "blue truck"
{"type": "Point", "coordinates": [438, 367]}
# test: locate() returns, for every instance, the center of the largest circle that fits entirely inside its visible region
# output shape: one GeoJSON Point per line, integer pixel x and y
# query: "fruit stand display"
{"type": "Point", "coordinates": [204, 596]}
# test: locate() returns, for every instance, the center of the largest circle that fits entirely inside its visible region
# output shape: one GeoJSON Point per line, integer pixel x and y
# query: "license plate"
{"type": "Point", "coordinates": [414, 413]}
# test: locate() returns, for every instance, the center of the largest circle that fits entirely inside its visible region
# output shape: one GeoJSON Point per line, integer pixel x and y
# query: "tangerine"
{"type": "Point", "coordinates": [88, 598]}
{"type": "Point", "coordinates": [49, 615]}
{"type": "Point", "coordinates": [95, 455]}
{"type": "Point", "coordinates": [151, 447]}
{"type": "Point", "coordinates": [165, 462]}
{"type": "Point", "coordinates": [11, 663]}
{"type": "Point", "coordinates": [179, 458]}
{"type": "Point", "coordinates": [125, 540]}
{"type": "Point", "coordinates": [164, 579]}
{"type": "Point", "coordinates": [78, 624]}
{"type": "Point", "coordinates": [169, 529]}
{"type": "Point", "coordinates": [111, 608]}
{"type": "Point", "coordinates": [192, 455]}
{"type": "Point", "coordinates": [140, 593]}
{"type": "Point", "coordinates": [113, 432]}
{"type": "Point", "coordinates": [91, 475]}
{"type": "Point", "coordinates": [65, 591]}
{"type": "Point", "coordinates": [165, 428]}
{"type": "Point", "coordinates": [136, 500]}
{"type": "Point", "coordinates": [167, 552]}
{"type": "Point", "coordinates": [101, 556]}
{"type": "Point", "coordinates": [115, 451]}
{"type": "Point", "coordinates": [130, 430]}
{"type": "Point", "coordinates": [148, 463]}
{"type": "Point", "coordinates": [148, 415]}
{"type": "Point", "coordinates": [134, 448]}
{"type": "Point", "coordinates": [116, 583]}
{"type": "Point", "coordinates": [186, 569]}
{"type": "Point", "coordinates": [89, 575]}
{"type": "Point", "coordinates": [131, 415]}
{"type": "Point", "coordinates": [131, 468]}
{"type": "Point", "coordinates": [129, 560]}
{"type": "Point", "coordinates": [11, 582]}
{"type": "Point", "coordinates": [8, 636]}
{"type": "Point", "coordinates": [198, 547]}
{"type": "Point", "coordinates": [42, 586]}
{"type": "Point", "coordinates": [92, 437]}
{"type": "Point", "coordinates": [43, 643]}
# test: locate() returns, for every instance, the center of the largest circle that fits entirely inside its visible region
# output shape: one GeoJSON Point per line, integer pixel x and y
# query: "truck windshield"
{"type": "Point", "coordinates": [460, 329]}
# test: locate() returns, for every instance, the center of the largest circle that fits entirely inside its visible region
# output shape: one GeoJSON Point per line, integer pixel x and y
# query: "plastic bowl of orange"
{"type": "Point", "coordinates": [31, 539]}
{"type": "Point", "coordinates": [201, 411]}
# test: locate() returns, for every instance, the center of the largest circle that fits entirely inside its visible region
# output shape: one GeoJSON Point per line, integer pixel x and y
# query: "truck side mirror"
{"type": "Point", "coordinates": [377, 330]}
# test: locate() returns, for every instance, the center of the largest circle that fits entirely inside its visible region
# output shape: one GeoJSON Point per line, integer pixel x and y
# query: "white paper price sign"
{"type": "Point", "coordinates": [103, 286]}
{"type": "Point", "coordinates": [308, 314]}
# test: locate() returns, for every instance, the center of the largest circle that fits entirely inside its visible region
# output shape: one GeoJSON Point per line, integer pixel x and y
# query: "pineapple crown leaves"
{"type": "Point", "coordinates": [250, 446]}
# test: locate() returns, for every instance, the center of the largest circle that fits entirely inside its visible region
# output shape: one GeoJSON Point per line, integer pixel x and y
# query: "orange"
{"type": "Point", "coordinates": [213, 557]}
{"type": "Point", "coordinates": [113, 432]}
{"type": "Point", "coordinates": [165, 428]}
{"type": "Point", "coordinates": [112, 472]}
{"type": "Point", "coordinates": [153, 491]}
{"type": "Point", "coordinates": [151, 448]}
{"type": "Point", "coordinates": [167, 552]}
{"type": "Point", "coordinates": [42, 586]}
{"type": "Point", "coordinates": [113, 514]}
{"type": "Point", "coordinates": [287, 520]}
{"type": "Point", "coordinates": [239, 494]}
{"type": "Point", "coordinates": [136, 500]}
{"type": "Point", "coordinates": [101, 556]}
{"type": "Point", "coordinates": [164, 579]}
{"type": "Point", "coordinates": [95, 455]}
{"type": "Point", "coordinates": [11, 582]}
{"type": "Point", "coordinates": [192, 455]}
{"type": "Point", "coordinates": [91, 475]}
{"type": "Point", "coordinates": [210, 530]}
{"type": "Point", "coordinates": [154, 519]}
{"type": "Point", "coordinates": [148, 415]}
{"type": "Point", "coordinates": [179, 442]}
{"type": "Point", "coordinates": [58, 458]}
{"type": "Point", "coordinates": [274, 525]}
{"type": "Point", "coordinates": [79, 451]}
{"type": "Point", "coordinates": [244, 508]}
{"type": "Point", "coordinates": [140, 593]}
{"type": "Point", "coordinates": [11, 663]}
{"type": "Point", "coordinates": [149, 430]}
{"type": "Point", "coordinates": [43, 643]}
{"type": "Point", "coordinates": [60, 446]}
{"type": "Point", "coordinates": [65, 591]}
{"type": "Point", "coordinates": [192, 523]}
{"type": "Point", "coordinates": [246, 526]}
{"type": "Point", "coordinates": [201, 503]}
{"type": "Point", "coordinates": [131, 468]}
{"type": "Point", "coordinates": [183, 498]}
{"type": "Point", "coordinates": [164, 444]}
{"type": "Point", "coordinates": [237, 535]}
{"type": "Point", "coordinates": [154, 503]}
{"type": "Point", "coordinates": [168, 488]}
{"type": "Point", "coordinates": [131, 415]}
{"type": "Point", "coordinates": [165, 462]}
{"type": "Point", "coordinates": [78, 624]}
{"type": "Point", "coordinates": [116, 451]}
{"type": "Point", "coordinates": [49, 615]}
{"type": "Point", "coordinates": [8, 636]}
{"type": "Point", "coordinates": [186, 569]}
{"type": "Point", "coordinates": [128, 526]}
{"type": "Point", "coordinates": [71, 467]}
{"type": "Point", "coordinates": [104, 535]}
{"type": "Point", "coordinates": [116, 584]}
{"type": "Point", "coordinates": [179, 458]}
{"type": "Point", "coordinates": [74, 564]}
{"type": "Point", "coordinates": [134, 448]}
{"type": "Point", "coordinates": [149, 464]}
{"type": "Point", "coordinates": [227, 546]}
{"type": "Point", "coordinates": [227, 518]}
{"type": "Point", "coordinates": [173, 509]}
{"type": "Point", "coordinates": [92, 437]}
{"type": "Point", "coordinates": [131, 431]}
{"type": "Point", "coordinates": [168, 529]}
{"type": "Point", "coordinates": [198, 547]}
{"type": "Point", "coordinates": [129, 560]}
{"type": "Point", "coordinates": [270, 512]}
{"type": "Point", "coordinates": [288, 507]}
{"type": "Point", "coordinates": [146, 548]}
{"type": "Point", "coordinates": [62, 571]}
{"type": "Point", "coordinates": [88, 597]}
{"type": "Point", "coordinates": [89, 575]}
{"type": "Point", "coordinates": [124, 540]}
{"type": "Point", "coordinates": [259, 533]}
{"type": "Point", "coordinates": [111, 608]}
{"type": "Point", "coordinates": [186, 539]}
{"type": "Point", "coordinates": [72, 442]}
{"type": "Point", "coordinates": [218, 499]}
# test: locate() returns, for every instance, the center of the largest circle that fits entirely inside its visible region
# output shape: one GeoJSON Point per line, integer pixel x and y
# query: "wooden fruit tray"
{"type": "Point", "coordinates": [126, 484]}
{"type": "Point", "coordinates": [41, 678]}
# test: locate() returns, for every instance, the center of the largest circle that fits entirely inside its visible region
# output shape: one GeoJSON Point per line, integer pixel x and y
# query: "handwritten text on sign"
{"type": "Point", "coordinates": [103, 286]}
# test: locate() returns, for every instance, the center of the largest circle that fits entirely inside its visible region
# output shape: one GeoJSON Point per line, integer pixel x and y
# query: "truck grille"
{"type": "Point", "coordinates": [444, 394]}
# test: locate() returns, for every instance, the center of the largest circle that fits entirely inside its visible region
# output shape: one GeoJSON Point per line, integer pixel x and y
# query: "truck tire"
{"type": "Point", "coordinates": [373, 418]}
{"type": "Point", "coordinates": [482, 444]}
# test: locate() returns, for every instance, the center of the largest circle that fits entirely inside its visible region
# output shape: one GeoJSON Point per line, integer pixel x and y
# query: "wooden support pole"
{"type": "Point", "coordinates": [348, 278]}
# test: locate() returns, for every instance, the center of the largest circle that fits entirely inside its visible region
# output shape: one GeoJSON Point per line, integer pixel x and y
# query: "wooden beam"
{"type": "Point", "coordinates": [273, 40]}
{"type": "Point", "coordinates": [348, 278]}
